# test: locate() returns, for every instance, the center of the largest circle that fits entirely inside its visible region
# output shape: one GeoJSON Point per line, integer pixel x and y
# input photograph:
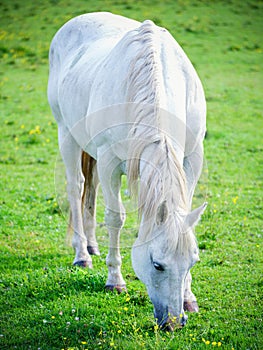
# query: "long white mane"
{"type": "Point", "coordinates": [165, 180]}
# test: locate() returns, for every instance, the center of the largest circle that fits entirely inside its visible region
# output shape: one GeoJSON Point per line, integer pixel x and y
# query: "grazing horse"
{"type": "Point", "coordinates": [128, 101]}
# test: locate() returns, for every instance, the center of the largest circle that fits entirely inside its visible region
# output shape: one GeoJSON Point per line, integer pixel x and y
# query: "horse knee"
{"type": "Point", "coordinates": [114, 219]}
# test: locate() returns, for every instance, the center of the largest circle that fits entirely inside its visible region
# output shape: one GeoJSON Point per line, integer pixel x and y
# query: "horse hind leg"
{"type": "Point", "coordinates": [89, 196]}
{"type": "Point", "coordinates": [71, 155]}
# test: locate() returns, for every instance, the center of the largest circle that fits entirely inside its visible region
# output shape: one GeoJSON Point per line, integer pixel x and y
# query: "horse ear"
{"type": "Point", "coordinates": [192, 219]}
{"type": "Point", "coordinates": [162, 213]}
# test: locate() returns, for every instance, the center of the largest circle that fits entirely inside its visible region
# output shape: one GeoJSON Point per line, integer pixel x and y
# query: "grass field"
{"type": "Point", "coordinates": [45, 303]}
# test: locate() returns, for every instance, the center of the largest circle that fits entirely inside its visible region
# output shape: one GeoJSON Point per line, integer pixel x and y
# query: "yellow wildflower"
{"type": "Point", "coordinates": [37, 129]}
{"type": "Point", "coordinates": [234, 200]}
{"type": "Point", "coordinates": [156, 327]}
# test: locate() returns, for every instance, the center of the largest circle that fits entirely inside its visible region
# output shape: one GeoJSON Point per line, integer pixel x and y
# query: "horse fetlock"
{"type": "Point", "coordinates": [120, 288]}
{"type": "Point", "coordinates": [84, 263]}
{"type": "Point", "coordinates": [114, 276]}
{"type": "Point", "coordinates": [93, 250]}
{"type": "Point", "coordinates": [82, 257]}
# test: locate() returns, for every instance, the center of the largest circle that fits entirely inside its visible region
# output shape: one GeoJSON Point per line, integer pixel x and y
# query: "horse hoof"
{"type": "Point", "coordinates": [84, 263]}
{"type": "Point", "coordinates": [120, 288]}
{"type": "Point", "coordinates": [191, 306]}
{"type": "Point", "coordinates": [93, 250]}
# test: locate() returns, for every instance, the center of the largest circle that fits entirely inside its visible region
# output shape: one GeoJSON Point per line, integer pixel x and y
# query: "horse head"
{"type": "Point", "coordinates": [162, 260]}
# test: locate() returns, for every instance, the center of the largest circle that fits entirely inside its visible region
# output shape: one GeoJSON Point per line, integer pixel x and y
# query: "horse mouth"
{"type": "Point", "coordinates": [170, 323]}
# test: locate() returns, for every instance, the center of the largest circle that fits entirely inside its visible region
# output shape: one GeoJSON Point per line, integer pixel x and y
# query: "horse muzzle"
{"type": "Point", "coordinates": [170, 324]}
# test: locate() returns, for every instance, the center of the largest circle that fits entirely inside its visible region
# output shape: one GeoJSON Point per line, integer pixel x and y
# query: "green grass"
{"type": "Point", "coordinates": [48, 304]}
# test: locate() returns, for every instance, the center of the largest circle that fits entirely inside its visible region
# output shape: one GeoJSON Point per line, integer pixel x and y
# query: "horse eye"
{"type": "Point", "coordinates": [158, 266]}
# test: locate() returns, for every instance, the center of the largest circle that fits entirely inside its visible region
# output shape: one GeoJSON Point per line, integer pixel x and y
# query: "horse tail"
{"type": "Point", "coordinates": [87, 166]}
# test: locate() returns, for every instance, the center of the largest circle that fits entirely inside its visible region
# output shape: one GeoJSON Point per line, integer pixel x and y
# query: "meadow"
{"type": "Point", "coordinates": [45, 302]}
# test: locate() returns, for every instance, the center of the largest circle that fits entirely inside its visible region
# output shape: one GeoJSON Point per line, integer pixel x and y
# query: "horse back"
{"type": "Point", "coordinates": [76, 52]}
{"type": "Point", "coordinates": [85, 30]}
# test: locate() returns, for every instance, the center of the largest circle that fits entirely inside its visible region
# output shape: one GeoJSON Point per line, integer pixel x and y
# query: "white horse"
{"type": "Point", "coordinates": [128, 101]}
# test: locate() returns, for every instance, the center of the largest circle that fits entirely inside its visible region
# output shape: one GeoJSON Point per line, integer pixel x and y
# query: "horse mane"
{"type": "Point", "coordinates": [166, 180]}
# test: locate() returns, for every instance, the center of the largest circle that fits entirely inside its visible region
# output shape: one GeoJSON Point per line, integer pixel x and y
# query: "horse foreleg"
{"type": "Point", "coordinates": [114, 219]}
{"type": "Point", "coordinates": [71, 154]}
{"type": "Point", "coordinates": [190, 303]}
{"type": "Point", "coordinates": [114, 222]}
